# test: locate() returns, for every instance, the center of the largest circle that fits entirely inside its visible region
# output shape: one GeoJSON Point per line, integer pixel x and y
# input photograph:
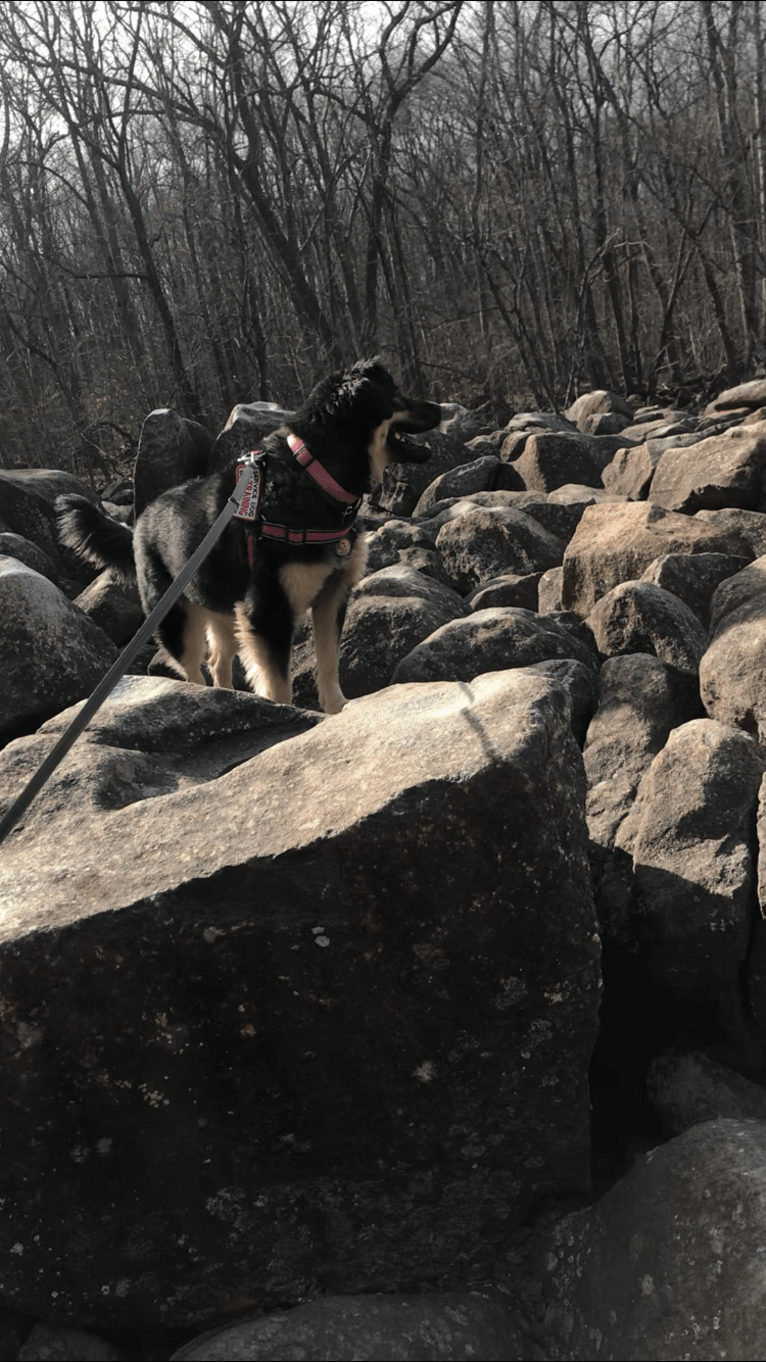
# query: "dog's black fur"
{"type": "Point", "coordinates": [354, 423]}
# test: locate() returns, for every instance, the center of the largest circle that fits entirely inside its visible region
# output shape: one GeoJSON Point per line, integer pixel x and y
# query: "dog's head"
{"type": "Point", "coordinates": [365, 400]}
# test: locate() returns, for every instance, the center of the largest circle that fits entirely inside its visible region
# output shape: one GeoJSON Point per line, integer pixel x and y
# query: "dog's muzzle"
{"type": "Point", "coordinates": [415, 420]}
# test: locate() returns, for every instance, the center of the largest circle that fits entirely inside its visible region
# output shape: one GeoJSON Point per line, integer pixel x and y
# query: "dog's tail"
{"type": "Point", "coordinates": [94, 536]}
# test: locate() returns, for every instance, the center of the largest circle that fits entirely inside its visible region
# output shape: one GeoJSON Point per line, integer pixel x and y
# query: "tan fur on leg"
{"type": "Point", "coordinates": [327, 633]}
{"type": "Point", "coordinates": [222, 642]}
{"type": "Point", "coordinates": [195, 643]}
{"type": "Point", "coordinates": [262, 676]}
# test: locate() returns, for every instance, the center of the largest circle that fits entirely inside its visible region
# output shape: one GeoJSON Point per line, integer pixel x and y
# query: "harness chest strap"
{"type": "Point", "coordinates": [249, 510]}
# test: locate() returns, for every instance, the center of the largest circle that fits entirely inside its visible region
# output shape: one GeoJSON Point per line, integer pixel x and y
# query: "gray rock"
{"type": "Point", "coordinates": [597, 403]}
{"type": "Point", "coordinates": [461, 423]}
{"type": "Point", "coordinates": [733, 669]}
{"type": "Point", "coordinates": [738, 589]}
{"type": "Point", "coordinates": [659, 427]}
{"type": "Point", "coordinates": [746, 529]}
{"type": "Point", "coordinates": [669, 1264]}
{"type": "Point", "coordinates": [16, 546]}
{"type": "Point", "coordinates": [632, 469]}
{"type": "Point", "coordinates": [641, 699]}
{"type": "Point", "coordinates": [723, 470]}
{"type": "Point", "coordinates": [29, 514]}
{"type": "Point", "coordinates": [638, 617]}
{"type": "Point", "coordinates": [616, 543]}
{"type": "Point", "coordinates": [171, 449]}
{"type": "Point", "coordinates": [405, 483]}
{"type": "Point", "coordinates": [398, 1327]}
{"type": "Point", "coordinates": [49, 483]}
{"type": "Point", "coordinates": [541, 421]}
{"type": "Point", "coordinates": [691, 835]}
{"type": "Point", "coordinates": [322, 1020]}
{"type": "Point", "coordinates": [391, 611]}
{"type": "Point", "coordinates": [53, 654]}
{"type": "Point", "coordinates": [249, 423]}
{"type": "Point", "coordinates": [483, 474]}
{"type": "Point", "coordinates": [550, 460]}
{"type": "Point", "coordinates": [112, 606]}
{"type": "Point", "coordinates": [581, 684]}
{"type": "Point", "coordinates": [605, 423]}
{"type": "Point", "coordinates": [507, 590]}
{"type": "Point", "coordinates": [487, 641]}
{"type": "Point", "coordinates": [749, 395]}
{"type": "Point", "coordinates": [693, 578]}
{"type": "Point", "coordinates": [55, 1343]}
{"type": "Point", "coordinates": [686, 1090]}
{"type": "Point", "coordinates": [491, 542]}
{"type": "Point", "coordinates": [549, 591]}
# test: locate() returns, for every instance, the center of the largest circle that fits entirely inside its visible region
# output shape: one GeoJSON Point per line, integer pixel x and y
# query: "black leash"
{"type": "Point", "coordinates": [249, 481]}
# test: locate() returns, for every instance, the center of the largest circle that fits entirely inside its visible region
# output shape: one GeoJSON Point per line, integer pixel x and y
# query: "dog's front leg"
{"type": "Point", "coordinates": [328, 616]}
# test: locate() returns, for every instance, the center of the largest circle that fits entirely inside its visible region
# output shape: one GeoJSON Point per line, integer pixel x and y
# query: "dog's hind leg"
{"type": "Point", "coordinates": [182, 638]}
{"type": "Point", "coordinates": [222, 642]}
{"type": "Point", "coordinates": [264, 628]}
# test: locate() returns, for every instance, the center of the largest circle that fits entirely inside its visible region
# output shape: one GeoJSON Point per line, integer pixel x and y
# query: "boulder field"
{"type": "Point", "coordinates": [435, 1028]}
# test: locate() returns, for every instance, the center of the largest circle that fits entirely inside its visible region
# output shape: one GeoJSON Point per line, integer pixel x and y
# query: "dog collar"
{"type": "Point", "coordinates": [320, 475]}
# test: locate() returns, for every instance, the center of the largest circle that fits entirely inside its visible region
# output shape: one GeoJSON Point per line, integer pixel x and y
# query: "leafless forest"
{"type": "Point", "coordinates": [211, 201]}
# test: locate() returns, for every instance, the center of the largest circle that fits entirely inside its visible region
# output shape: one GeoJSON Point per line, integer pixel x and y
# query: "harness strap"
{"type": "Point", "coordinates": [253, 464]}
{"type": "Point", "coordinates": [316, 470]}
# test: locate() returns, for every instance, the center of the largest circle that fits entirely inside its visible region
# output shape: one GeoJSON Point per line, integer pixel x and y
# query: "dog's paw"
{"type": "Point", "coordinates": [333, 703]}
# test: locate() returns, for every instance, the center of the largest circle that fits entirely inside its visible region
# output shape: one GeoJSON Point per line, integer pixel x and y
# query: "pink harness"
{"type": "Point", "coordinates": [249, 510]}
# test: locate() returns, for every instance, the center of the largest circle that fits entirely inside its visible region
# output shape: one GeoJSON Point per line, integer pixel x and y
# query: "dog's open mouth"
{"type": "Point", "coordinates": [406, 450]}
{"type": "Point", "coordinates": [402, 447]}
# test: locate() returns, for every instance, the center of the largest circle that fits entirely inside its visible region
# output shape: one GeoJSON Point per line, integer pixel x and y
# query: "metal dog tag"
{"type": "Point", "coordinates": [343, 547]}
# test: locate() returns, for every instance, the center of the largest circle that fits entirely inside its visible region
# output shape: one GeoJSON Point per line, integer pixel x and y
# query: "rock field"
{"type": "Point", "coordinates": [435, 1028]}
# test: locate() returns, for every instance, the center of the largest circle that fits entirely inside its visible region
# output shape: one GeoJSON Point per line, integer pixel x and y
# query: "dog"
{"type": "Point", "coordinates": [302, 552]}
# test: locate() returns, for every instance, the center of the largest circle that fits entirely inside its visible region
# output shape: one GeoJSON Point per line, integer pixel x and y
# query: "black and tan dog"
{"type": "Point", "coordinates": [302, 552]}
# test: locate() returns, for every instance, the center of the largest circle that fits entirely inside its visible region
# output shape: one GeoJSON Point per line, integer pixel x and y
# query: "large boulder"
{"type": "Point", "coordinates": [669, 1264]}
{"type": "Point", "coordinates": [641, 699]}
{"type": "Point", "coordinates": [751, 395]}
{"type": "Point", "coordinates": [687, 1089]}
{"type": "Point", "coordinates": [408, 1328]}
{"type": "Point", "coordinates": [723, 470]}
{"type": "Point", "coordinates": [549, 460]}
{"type": "Point", "coordinates": [733, 669]}
{"type": "Point", "coordinates": [491, 640]}
{"type": "Point", "coordinates": [492, 541]}
{"type": "Point", "coordinates": [248, 424]}
{"type": "Point", "coordinates": [52, 653]}
{"type": "Point", "coordinates": [599, 402]}
{"type": "Point", "coordinates": [691, 836]}
{"type": "Point", "coordinates": [639, 617]}
{"type": "Point", "coordinates": [486, 474]}
{"type": "Point", "coordinates": [391, 612]}
{"type": "Point", "coordinates": [405, 483]}
{"type": "Point", "coordinates": [16, 546]}
{"type": "Point", "coordinates": [616, 543]}
{"type": "Point", "coordinates": [26, 512]}
{"type": "Point", "coordinates": [633, 467]}
{"type": "Point", "coordinates": [694, 577]}
{"type": "Point", "coordinates": [321, 1020]}
{"type": "Point", "coordinates": [745, 528]}
{"type": "Point", "coordinates": [171, 450]}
